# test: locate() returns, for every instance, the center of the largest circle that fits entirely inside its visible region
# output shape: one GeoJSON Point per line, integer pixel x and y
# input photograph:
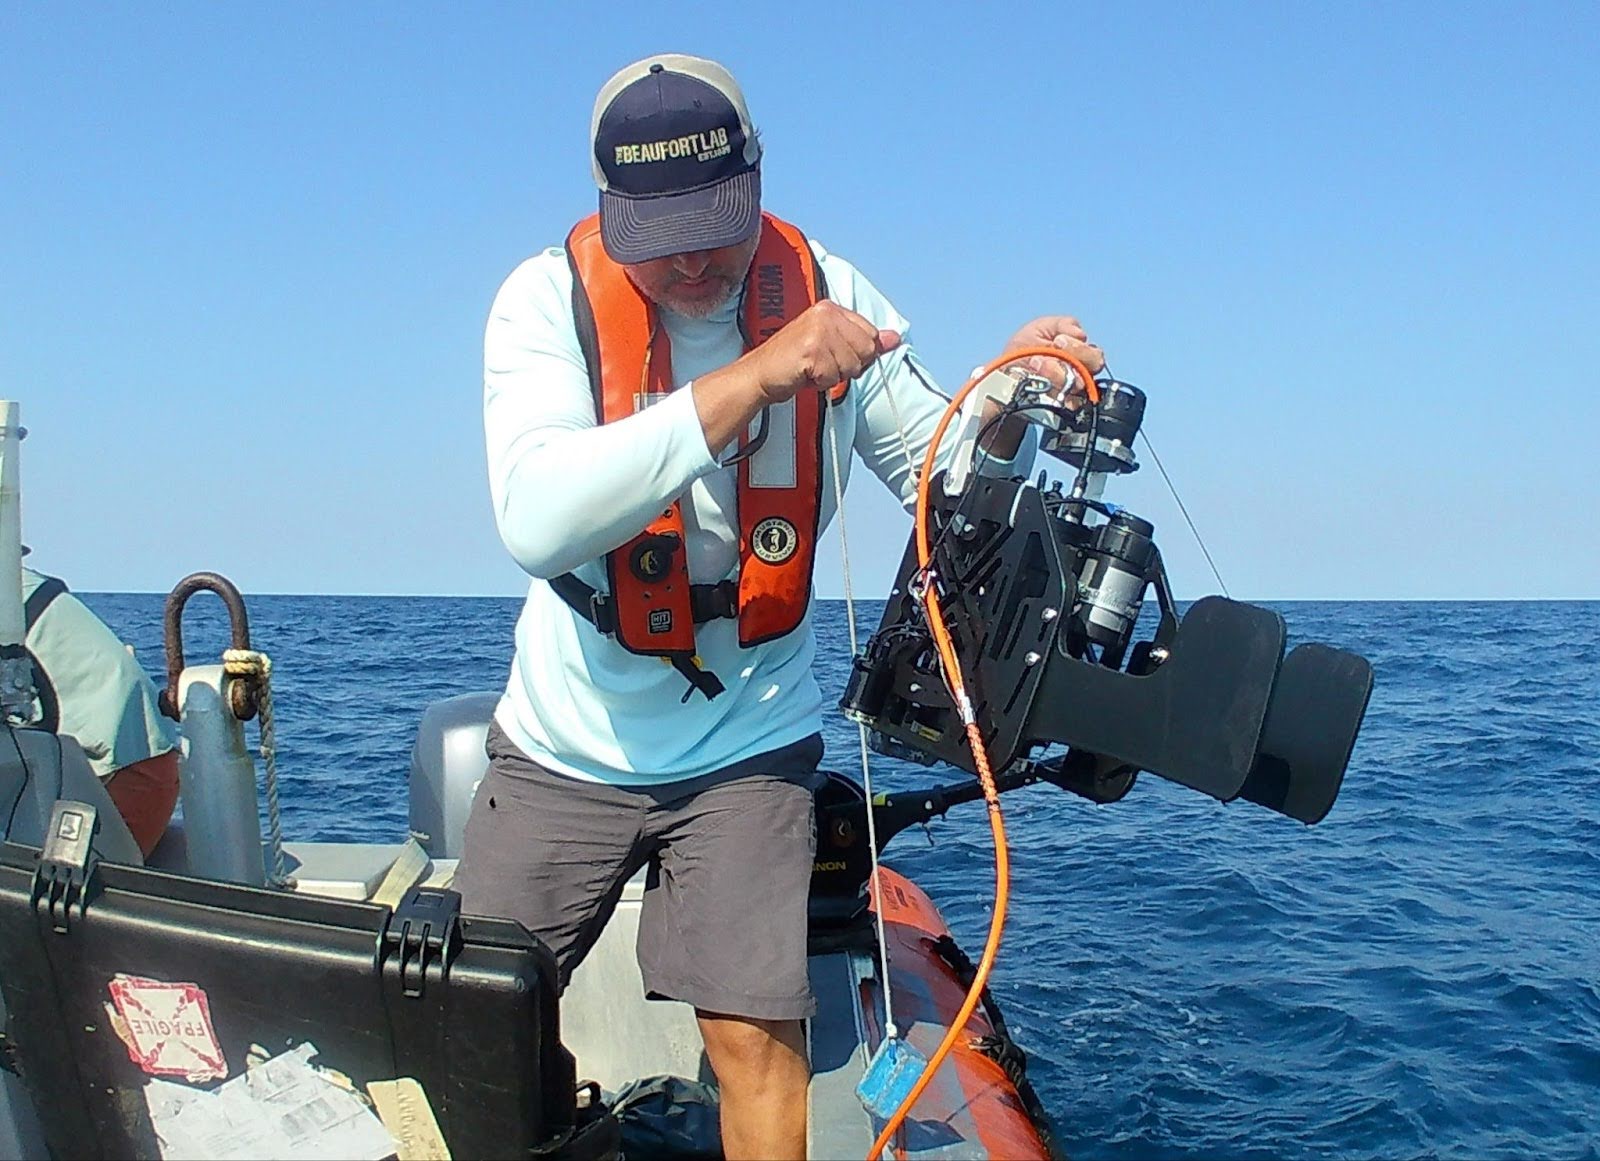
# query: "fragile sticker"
{"type": "Point", "coordinates": [168, 1028]}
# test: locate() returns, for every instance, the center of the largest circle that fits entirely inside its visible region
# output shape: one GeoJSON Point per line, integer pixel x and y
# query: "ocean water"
{"type": "Point", "coordinates": [1418, 976]}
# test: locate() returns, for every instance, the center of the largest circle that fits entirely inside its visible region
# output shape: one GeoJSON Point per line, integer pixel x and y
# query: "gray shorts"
{"type": "Point", "coordinates": [723, 926]}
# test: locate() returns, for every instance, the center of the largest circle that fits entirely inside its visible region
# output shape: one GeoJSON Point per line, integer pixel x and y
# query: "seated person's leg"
{"type": "Point", "coordinates": [145, 794]}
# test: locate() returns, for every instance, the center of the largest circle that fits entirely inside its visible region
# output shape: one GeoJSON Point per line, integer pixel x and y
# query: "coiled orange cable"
{"type": "Point", "coordinates": [957, 684]}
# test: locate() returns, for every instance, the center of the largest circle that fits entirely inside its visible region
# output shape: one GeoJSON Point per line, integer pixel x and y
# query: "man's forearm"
{"type": "Point", "coordinates": [727, 400]}
{"type": "Point", "coordinates": [576, 495]}
{"type": "Point", "coordinates": [580, 494]}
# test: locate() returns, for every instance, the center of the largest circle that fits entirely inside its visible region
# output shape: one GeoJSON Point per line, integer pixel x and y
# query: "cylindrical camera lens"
{"type": "Point", "coordinates": [867, 690]}
{"type": "Point", "coordinates": [1117, 420]}
{"type": "Point", "coordinates": [1112, 581]}
{"type": "Point", "coordinates": [1127, 538]}
{"type": "Point", "coordinates": [1121, 412]}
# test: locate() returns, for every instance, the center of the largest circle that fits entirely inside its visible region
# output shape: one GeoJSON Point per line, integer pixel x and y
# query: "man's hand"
{"type": "Point", "coordinates": [1055, 330]}
{"type": "Point", "coordinates": [824, 346]}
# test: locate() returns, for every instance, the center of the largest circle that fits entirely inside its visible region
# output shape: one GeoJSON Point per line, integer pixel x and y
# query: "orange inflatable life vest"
{"type": "Point", "coordinates": [652, 609]}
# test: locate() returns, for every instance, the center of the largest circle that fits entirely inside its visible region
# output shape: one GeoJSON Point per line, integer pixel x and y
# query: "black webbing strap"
{"type": "Point", "coordinates": [590, 604]}
{"type": "Point", "coordinates": [699, 679]}
{"type": "Point", "coordinates": [49, 589]}
{"type": "Point", "coordinates": [49, 701]}
{"type": "Point", "coordinates": [706, 603]}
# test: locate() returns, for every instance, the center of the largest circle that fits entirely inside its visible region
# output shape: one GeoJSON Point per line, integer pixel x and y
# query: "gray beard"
{"type": "Point", "coordinates": [700, 310]}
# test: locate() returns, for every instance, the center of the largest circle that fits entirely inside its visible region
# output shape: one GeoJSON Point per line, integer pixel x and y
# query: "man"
{"type": "Point", "coordinates": [91, 688]}
{"type": "Point", "coordinates": [660, 400]}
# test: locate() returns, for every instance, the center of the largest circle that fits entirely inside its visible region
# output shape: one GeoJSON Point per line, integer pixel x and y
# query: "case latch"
{"type": "Point", "coordinates": [424, 930]}
{"type": "Point", "coordinates": [61, 881]}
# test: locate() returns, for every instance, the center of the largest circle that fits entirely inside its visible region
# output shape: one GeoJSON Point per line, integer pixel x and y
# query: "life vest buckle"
{"type": "Point", "coordinates": [603, 613]}
{"type": "Point", "coordinates": [710, 602]}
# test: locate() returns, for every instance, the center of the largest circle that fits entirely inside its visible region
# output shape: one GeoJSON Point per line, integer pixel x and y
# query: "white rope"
{"type": "Point", "coordinates": [249, 663]}
{"type": "Point", "coordinates": [900, 429]}
{"type": "Point", "coordinates": [890, 1030]}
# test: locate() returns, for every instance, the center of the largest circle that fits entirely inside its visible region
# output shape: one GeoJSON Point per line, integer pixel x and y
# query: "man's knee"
{"type": "Point", "coordinates": [745, 1047]}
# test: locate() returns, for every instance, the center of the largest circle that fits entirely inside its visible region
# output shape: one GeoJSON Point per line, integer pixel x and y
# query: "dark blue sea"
{"type": "Point", "coordinates": [1418, 976]}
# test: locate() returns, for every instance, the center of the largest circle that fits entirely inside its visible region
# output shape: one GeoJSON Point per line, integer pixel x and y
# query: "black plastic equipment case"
{"type": "Point", "coordinates": [466, 1006]}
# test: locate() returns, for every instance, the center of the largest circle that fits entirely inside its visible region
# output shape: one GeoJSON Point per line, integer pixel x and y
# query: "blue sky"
{"type": "Point", "coordinates": [1352, 252]}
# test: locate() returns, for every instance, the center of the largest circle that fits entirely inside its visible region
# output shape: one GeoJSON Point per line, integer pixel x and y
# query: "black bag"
{"type": "Point", "coordinates": [669, 1118]}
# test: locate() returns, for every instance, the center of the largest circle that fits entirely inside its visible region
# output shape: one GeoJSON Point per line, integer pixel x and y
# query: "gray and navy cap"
{"type": "Point", "coordinates": [676, 159]}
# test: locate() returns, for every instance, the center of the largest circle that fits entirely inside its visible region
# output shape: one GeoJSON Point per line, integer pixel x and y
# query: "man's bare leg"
{"type": "Point", "coordinates": [763, 1075]}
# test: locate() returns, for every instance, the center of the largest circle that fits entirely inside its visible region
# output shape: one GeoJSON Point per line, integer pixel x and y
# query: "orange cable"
{"type": "Point", "coordinates": [957, 685]}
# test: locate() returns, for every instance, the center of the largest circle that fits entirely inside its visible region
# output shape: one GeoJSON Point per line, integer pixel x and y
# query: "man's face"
{"type": "Point", "coordinates": [695, 283]}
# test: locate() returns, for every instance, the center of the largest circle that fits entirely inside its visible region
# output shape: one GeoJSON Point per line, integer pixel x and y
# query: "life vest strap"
{"type": "Point", "coordinates": [700, 680]}
{"type": "Point", "coordinates": [707, 602]}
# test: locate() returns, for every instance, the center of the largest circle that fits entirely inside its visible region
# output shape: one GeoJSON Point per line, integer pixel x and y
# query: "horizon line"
{"type": "Point", "coordinates": [841, 599]}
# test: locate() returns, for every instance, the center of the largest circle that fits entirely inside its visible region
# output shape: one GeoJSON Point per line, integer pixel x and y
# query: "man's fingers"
{"type": "Point", "coordinates": [864, 346]}
{"type": "Point", "coordinates": [848, 353]}
{"type": "Point", "coordinates": [1086, 353]}
{"type": "Point", "coordinates": [1053, 370]}
{"type": "Point", "coordinates": [881, 341]}
{"type": "Point", "coordinates": [839, 344]}
{"type": "Point", "coordinates": [834, 317]}
{"type": "Point", "coordinates": [856, 321]}
{"type": "Point", "coordinates": [1090, 356]}
{"type": "Point", "coordinates": [1042, 331]}
{"type": "Point", "coordinates": [863, 352]}
{"type": "Point", "coordinates": [1066, 334]}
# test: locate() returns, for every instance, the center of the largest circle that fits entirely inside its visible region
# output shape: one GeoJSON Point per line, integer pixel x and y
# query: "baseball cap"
{"type": "Point", "coordinates": [676, 159]}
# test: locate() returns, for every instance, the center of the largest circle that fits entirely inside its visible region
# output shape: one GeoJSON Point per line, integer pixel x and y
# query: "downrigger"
{"type": "Point", "coordinates": [1043, 588]}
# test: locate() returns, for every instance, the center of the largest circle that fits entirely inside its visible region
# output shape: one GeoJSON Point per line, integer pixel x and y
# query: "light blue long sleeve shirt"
{"type": "Point", "coordinates": [567, 490]}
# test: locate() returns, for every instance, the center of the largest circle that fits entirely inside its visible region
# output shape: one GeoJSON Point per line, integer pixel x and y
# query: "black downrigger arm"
{"type": "Point", "coordinates": [1043, 589]}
